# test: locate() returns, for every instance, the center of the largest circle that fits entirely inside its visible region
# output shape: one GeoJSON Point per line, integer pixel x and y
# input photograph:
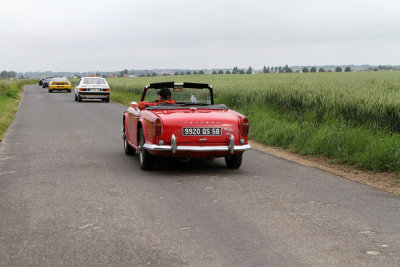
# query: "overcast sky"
{"type": "Point", "coordinates": [85, 35]}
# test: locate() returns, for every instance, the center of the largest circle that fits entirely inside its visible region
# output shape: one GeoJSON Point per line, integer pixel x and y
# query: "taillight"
{"type": "Point", "coordinates": [107, 90]}
{"type": "Point", "coordinates": [82, 89]}
{"type": "Point", "coordinates": [245, 126]}
{"type": "Point", "coordinates": [157, 127]}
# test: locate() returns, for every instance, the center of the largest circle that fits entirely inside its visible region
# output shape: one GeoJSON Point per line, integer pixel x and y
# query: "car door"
{"type": "Point", "coordinates": [133, 117]}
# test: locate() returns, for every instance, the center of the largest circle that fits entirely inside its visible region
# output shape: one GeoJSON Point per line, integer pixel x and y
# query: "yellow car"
{"type": "Point", "coordinates": [59, 84]}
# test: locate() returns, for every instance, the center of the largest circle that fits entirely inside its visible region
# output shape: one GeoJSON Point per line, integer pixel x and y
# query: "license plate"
{"type": "Point", "coordinates": [95, 90]}
{"type": "Point", "coordinates": [201, 131]}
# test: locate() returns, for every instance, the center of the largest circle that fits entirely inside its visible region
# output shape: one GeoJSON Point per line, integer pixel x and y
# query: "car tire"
{"type": "Point", "coordinates": [69, 91]}
{"type": "Point", "coordinates": [145, 159]}
{"type": "Point", "coordinates": [233, 161]}
{"type": "Point", "coordinates": [79, 98]}
{"type": "Point", "coordinates": [107, 99]}
{"type": "Point", "coordinates": [50, 91]}
{"type": "Point", "coordinates": [127, 147]}
{"type": "Point", "coordinates": [76, 98]}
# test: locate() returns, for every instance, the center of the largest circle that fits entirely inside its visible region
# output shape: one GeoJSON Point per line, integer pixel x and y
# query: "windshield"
{"type": "Point", "coordinates": [182, 95]}
{"type": "Point", "coordinates": [94, 81]}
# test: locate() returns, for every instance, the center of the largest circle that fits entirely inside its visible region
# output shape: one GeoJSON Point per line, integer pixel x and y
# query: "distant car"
{"type": "Point", "coordinates": [92, 88]}
{"type": "Point", "coordinates": [41, 81]}
{"type": "Point", "coordinates": [183, 123]}
{"type": "Point", "coordinates": [59, 84]}
{"type": "Point", "coordinates": [46, 81]}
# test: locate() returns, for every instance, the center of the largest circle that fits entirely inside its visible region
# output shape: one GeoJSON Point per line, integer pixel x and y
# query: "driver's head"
{"type": "Point", "coordinates": [164, 93]}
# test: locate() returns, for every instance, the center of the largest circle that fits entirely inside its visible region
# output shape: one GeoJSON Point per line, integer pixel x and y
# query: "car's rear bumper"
{"type": "Point", "coordinates": [236, 148]}
{"type": "Point", "coordinates": [231, 148]}
{"type": "Point", "coordinates": [59, 88]}
{"type": "Point", "coordinates": [94, 94]}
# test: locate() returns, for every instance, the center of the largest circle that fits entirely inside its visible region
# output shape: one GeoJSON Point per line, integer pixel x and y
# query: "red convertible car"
{"type": "Point", "coordinates": [181, 120]}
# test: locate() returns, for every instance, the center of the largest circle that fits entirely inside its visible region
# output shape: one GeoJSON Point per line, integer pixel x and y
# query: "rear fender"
{"type": "Point", "coordinates": [147, 130]}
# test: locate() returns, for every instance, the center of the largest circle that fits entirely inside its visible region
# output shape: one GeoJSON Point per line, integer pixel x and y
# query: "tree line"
{"type": "Point", "coordinates": [8, 75]}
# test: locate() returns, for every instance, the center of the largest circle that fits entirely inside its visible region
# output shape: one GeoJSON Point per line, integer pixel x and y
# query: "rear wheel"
{"type": "Point", "coordinates": [76, 98]}
{"type": "Point", "coordinates": [145, 159]}
{"type": "Point", "coordinates": [233, 161]}
{"type": "Point", "coordinates": [107, 99]}
{"type": "Point", "coordinates": [79, 98]}
{"type": "Point", "coordinates": [49, 91]}
{"type": "Point", "coordinates": [69, 91]}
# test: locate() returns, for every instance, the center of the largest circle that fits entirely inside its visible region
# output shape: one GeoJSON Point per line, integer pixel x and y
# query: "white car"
{"type": "Point", "coordinates": [92, 88]}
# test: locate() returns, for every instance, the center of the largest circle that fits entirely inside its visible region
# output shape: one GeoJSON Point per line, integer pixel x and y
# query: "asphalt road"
{"type": "Point", "coordinates": [69, 196]}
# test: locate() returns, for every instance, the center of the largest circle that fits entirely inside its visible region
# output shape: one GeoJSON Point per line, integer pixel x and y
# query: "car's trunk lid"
{"type": "Point", "coordinates": [197, 126]}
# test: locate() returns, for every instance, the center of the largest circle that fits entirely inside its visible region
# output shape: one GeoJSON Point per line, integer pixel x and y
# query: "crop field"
{"type": "Point", "coordinates": [352, 118]}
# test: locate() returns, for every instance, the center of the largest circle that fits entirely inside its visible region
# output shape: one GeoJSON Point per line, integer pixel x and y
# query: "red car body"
{"type": "Point", "coordinates": [184, 129]}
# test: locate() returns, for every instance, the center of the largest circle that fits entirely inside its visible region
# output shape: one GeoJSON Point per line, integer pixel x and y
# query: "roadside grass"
{"type": "Point", "coordinates": [351, 118]}
{"type": "Point", "coordinates": [10, 96]}
{"type": "Point", "coordinates": [360, 146]}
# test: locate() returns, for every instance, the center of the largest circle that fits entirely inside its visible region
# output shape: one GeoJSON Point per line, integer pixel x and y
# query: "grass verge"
{"type": "Point", "coordinates": [10, 97]}
{"type": "Point", "coordinates": [363, 147]}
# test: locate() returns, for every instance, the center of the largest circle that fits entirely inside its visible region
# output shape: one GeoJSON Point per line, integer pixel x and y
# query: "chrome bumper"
{"type": "Point", "coordinates": [232, 148]}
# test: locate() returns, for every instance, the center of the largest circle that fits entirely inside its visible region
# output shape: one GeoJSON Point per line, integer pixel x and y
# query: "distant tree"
{"type": "Point", "coordinates": [304, 69]}
{"type": "Point", "coordinates": [121, 74]}
{"type": "Point", "coordinates": [176, 73]}
{"type": "Point", "coordinates": [220, 72]}
{"type": "Point", "coordinates": [264, 69]}
{"type": "Point", "coordinates": [376, 69]}
{"type": "Point", "coordinates": [313, 69]}
{"type": "Point", "coordinates": [164, 74]}
{"type": "Point", "coordinates": [287, 69]}
{"type": "Point", "coordinates": [214, 72]}
{"type": "Point", "coordinates": [347, 69]}
{"type": "Point", "coordinates": [280, 70]}
{"type": "Point", "coordinates": [148, 75]}
{"type": "Point", "coordinates": [276, 69]}
{"type": "Point", "coordinates": [125, 71]}
{"type": "Point", "coordinates": [321, 70]}
{"type": "Point", "coordinates": [329, 70]}
{"type": "Point", "coordinates": [268, 70]}
{"type": "Point", "coordinates": [249, 70]}
{"type": "Point", "coordinates": [4, 75]}
{"type": "Point", "coordinates": [142, 75]}
{"type": "Point", "coordinates": [188, 73]}
{"type": "Point", "coordinates": [235, 70]}
{"type": "Point", "coordinates": [201, 72]}
{"type": "Point", "coordinates": [154, 74]}
{"type": "Point", "coordinates": [227, 72]}
{"type": "Point", "coordinates": [241, 72]}
{"type": "Point", "coordinates": [195, 73]}
{"type": "Point", "coordinates": [182, 73]}
{"type": "Point", "coordinates": [338, 69]}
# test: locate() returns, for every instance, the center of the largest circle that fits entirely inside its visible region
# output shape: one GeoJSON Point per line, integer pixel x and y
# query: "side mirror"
{"type": "Point", "coordinates": [134, 105]}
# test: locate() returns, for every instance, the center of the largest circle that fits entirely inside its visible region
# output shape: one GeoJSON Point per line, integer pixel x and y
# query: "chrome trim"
{"type": "Point", "coordinates": [173, 144]}
{"type": "Point", "coordinates": [231, 146]}
{"type": "Point", "coordinates": [194, 148]}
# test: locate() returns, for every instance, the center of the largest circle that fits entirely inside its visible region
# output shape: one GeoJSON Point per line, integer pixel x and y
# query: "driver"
{"type": "Point", "coordinates": [165, 96]}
